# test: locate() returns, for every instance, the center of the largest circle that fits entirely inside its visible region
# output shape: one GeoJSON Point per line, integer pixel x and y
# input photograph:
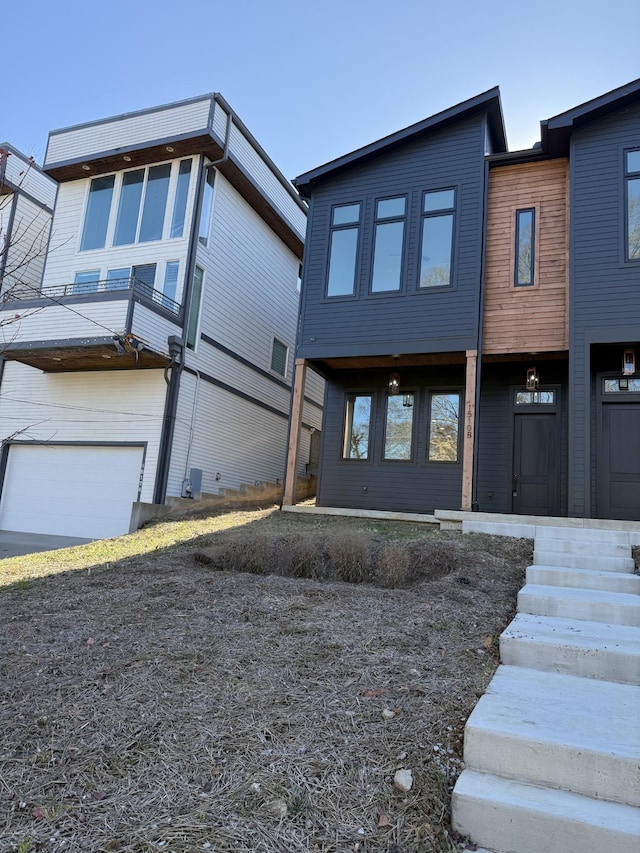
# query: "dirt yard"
{"type": "Point", "coordinates": [163, 702]}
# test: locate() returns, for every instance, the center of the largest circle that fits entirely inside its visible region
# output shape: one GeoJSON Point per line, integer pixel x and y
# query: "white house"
{"type": "Point", "coordinates": [156, 359]}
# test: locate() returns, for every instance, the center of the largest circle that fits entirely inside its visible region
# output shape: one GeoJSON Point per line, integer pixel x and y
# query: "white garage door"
{"type": "Point", "coordinates": [70, 490]}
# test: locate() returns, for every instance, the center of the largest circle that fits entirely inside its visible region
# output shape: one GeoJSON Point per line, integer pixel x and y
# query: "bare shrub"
{"type": "Point", "coordinates": [394, 565]}
{"type": "Point", "coordinates": [349, 556]}
{"type": "Point", "coordinates": [302, 557]}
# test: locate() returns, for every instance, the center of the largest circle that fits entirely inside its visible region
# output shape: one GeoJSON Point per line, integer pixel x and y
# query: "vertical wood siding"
{"type": "Point", "coordinates": [532, 318]}
{"type": "Point", "coordinates": [113, 406]}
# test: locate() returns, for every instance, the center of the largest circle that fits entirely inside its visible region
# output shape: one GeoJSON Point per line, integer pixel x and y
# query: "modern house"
{"type": "Point", "coordinates": [475, 313]}
{"type": "Point", "coordinates": [156, 357]}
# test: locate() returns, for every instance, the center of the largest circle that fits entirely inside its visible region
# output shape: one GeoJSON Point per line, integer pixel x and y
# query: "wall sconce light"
{"type": "Point", "coordinates": [629, 362]}
{"type": "Point", "coordinates": [532, 379]}
{"type": "Point", "coordinates": [407, 401]}
{"type": "Point", "coordinates": [394, 383]}
{"type": "Point", "coordinates": [623, 384]}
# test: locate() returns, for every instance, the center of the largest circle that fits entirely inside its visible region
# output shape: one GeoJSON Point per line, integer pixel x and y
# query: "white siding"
{"type": "Point", "coordinates": [127, 131]}
{"type": "Point", "coordinates": [153, 329]}
{"type": "Point", "coordinates": [110, 406]}
{"type": "Point", "coordinates": [27, 247]}
{"type": "Point", "coordinates": [61, 322]}
{"type": "Point", "coordinates": [22, 173]}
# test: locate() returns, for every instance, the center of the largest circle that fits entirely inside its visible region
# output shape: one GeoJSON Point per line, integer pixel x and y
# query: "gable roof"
{"type": "Point", "coordinates": [489, 101]}
{"type": "Point", "coordinates": [555, 132]}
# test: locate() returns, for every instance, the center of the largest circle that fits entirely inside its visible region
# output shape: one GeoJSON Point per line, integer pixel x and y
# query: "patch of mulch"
{"type": "Point", "coordinates": [168, 704]}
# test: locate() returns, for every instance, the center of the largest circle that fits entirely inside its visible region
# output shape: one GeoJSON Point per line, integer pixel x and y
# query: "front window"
{"type": "Point", "coordinates": [145, 277]}
{"type": "Point", "coordinates": [357, 426]}
{"type": "Point", "coordinates": [525, 223]}
{"type": "Point", "coordinates": [343, 250]}
{"type": "Point", "coordinates": [444, 417]}
{"type": "Point", "coordinates": [438, 209]}
{"type": "Point", "coordinates": [279, 352]}
{"type": "Point", "coordinates": [118, 278]}
{"type": "Point", "coordinates": [96, 220]}
{"type": "Point", "coordinates": [398, 441]}
{"type": "Point", "coordinates": [632, 180]}
{"type": "Point", "coordinates": [389, 242]}
{"type": "Point", "coordinates": [194, 307]}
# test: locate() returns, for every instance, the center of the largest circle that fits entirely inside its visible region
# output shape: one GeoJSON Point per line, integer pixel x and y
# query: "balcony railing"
{"type": "Point", "coordinates": [130, 283]}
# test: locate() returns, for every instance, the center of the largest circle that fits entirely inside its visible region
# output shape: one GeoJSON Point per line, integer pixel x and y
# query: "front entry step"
{"type": "Point", "coordinates": [583, 604]}
{"type": "Point", "coordinates": [573, 647]}
{"type": "Point", "coordinates": [583, 579]}
{"type": "Point", "coordinates": [506, 815]}
{"type": "Point", "coordinates": [544, 555]}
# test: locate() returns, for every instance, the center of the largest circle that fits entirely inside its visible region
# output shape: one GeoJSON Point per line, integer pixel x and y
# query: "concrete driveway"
{"type": "Point", "coordinates": [14, 543]}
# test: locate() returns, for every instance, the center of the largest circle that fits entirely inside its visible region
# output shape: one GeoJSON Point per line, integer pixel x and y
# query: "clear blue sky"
{"type": "Point", "coordinates": [311, 80]}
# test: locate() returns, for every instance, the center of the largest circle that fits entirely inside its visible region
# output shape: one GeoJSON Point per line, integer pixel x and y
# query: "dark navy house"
{"type": "Point", "coordinates": [476, 316]}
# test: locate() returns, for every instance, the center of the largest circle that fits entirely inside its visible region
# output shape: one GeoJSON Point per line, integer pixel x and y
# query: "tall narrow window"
{"type": "Point", "coordinates": [205, 212]}
{"type": "Point", "coordinates": [194, 307]}
{"type": "Point", "coordinates": [155, 203]}
{"type": "Point", "coordinates": [444, 417]}
{"type": "Point", "coordinates": [632, 180]}
{"type": "Point", "coordinates": [525, 247]}
{"type": "Point", "coordinates": [398, 437]}
{"type": "Point", "coordinates": [180, 202]}
{"type": "Point", "coordinates": [279, 352]}
{"type": "Point", "coordinates": [129, 208]}
{"type": "Point", "coordinates": [96, 220]}
{"type": "Point", "coordinates": [389, 242]}
{"type": "Point", "coordinates": [343, 250]}
{"type": "Point", "coordinates": [170, 285]}
{"type": "Point", "coordinates": [357, 427]}
{"type": "Point", "coordinates": [438, 209]}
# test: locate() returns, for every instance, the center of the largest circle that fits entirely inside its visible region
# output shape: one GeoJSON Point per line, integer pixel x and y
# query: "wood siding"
{"type": "Point", "coordinates": [531, 318]}
{"type": "Point", "coordinates": [436, 319]}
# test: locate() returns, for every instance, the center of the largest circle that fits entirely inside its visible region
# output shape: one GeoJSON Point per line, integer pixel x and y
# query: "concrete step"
{"type": "Point", "coordinates": [584, 546]}
{"type": "Point", "coordinates": [591, 605]}
{"type": "Point", "coordinates": [558, 731]}
{"type": "Point", "coordinates": [544, 556]}
{"type": "Point", "coordinates": [586, 649]}
{"type": "Point", "coordinates": [505, 815]}
{"type": "Point", "coordinates": [584, 579]}
{"type": "Point", "coordinates": [583, 534]}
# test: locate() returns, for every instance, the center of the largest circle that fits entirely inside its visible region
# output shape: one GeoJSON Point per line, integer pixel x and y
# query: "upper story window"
{"type": "Point", "coordinates": [438, 211]}
{"type": "Point", "coordinates": [632, 181]}
{"type": "Point", "coordinates": [142, 197]}
{"type": "Point", "coordinates": [388, 245]}
{"type": "Point", "coordinates": [193, 321]}
{"type": "Point", "coordinates": [343, 250]}
{"type": "Point", "coordinates": [207, 204]}
{"type": "Point", "coordinates": [524, 249]}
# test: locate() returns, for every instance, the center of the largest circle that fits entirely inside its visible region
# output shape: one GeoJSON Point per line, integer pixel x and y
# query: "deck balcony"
{"type": "Point", "coordinates": [119, 324]}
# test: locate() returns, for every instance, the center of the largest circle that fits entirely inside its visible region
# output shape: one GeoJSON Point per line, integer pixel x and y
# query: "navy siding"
{"type": "Point", "coordinates": [604, 289]}
{"type": "Point", "coordinates": [431, 320]}
{"type": "Point", "coordinates": [416, 486]}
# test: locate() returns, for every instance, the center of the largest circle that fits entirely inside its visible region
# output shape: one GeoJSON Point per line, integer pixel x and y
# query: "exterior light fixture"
{"type": "Point", "coordinates": [623, 384]}
{"type": "Point", "coordinates": [86, 168]}
{"type": "Point", "coordinates": [532, 379]}
{"type": "Point", "coordinates": [629, 362]}
{"type": "Point", "coordinates": [170, 149]}
{"type": "Point", "coordinates": [407, 401]}
{"type": "Point", "coordinates": [394, 383]}
{"type": "Point", "coordinates": [126, 158]}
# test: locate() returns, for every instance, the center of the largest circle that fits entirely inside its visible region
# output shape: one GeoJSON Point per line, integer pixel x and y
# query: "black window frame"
{"type": "Point", "coordinates": [349, 395]}
{"type": "Point", "coordinates": [516, 264]}
{"type": "Point", "coordinates": [386, 220]}
{"type": "Point", "coordinates": [389, 460]}
{"type": "Point", "coordinates": [434, 214]}
{"type": "Point", "coordinates": [353, 225]}
{"type": "Point", "coordinates": [431, 393]}
{"type": "Point", "coordinates": [275, 344]}
{"type": "Point", "coordinates": [629, 177]}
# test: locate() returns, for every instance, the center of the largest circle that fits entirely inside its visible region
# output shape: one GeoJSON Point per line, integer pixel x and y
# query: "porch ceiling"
{"type": "Point", "coordinates": [65, 359]}
{"type": "Point", "coordinates": [390, 361]}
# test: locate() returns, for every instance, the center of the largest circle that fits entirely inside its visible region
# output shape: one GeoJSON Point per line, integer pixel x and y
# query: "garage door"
{"type": "Point", "coordinates": [70, 490]}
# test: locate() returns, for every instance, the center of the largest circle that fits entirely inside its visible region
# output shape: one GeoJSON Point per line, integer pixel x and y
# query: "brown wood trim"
{"type": "Point", "coordinates": [293, 451]}
{"type": "Point", "coordinates": [469, 430]}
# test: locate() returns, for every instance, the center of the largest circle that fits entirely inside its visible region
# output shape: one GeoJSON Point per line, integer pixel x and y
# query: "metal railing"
{"type": "Point", "coordinates": [141, 288]}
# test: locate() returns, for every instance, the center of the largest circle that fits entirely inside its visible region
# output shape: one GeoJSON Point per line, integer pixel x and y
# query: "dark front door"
{"type": "Point", "coordinates": [535, 464]}
{"type": "Point", "coordinates": [619, 462]}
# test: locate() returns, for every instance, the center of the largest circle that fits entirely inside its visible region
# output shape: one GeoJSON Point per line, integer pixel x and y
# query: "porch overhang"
{"type": "Point", "coordinates": [387, 362]}
{"type": "Point", "coordinates": [84, 354]}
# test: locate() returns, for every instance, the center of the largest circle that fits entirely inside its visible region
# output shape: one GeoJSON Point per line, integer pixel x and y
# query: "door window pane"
{"type": "Point", "coordinates": [398, 438]}
{"type": "Point", "coordinates": [443, 427]}
{"type": "Point", "coordinates": [342, 262]}
{"type": "Point", "coordinates": [96, 220]}
{"type": "Point", "coordinates": [129, 208]}
{"type": "Point", "coordinates": [357, 427]}
{"type": "Point", "coordinates": [437, 243]}
{"type": "Point", "coordinates": [194, 307]}
{"type": "Point", "coordinates": [180, 203]}
{"type": "Point", "coordinates": [155, 202]}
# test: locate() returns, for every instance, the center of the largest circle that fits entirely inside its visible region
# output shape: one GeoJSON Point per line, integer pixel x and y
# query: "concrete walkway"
{"type": "Point", "coordinates": [14, 543]}
{"type": "Point", "coordinates": [552, 750]}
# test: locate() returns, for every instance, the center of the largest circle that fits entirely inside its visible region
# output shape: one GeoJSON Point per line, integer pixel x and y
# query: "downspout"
{"type": "Point", "coordinates": [475, 506]}
{"type": "Point", "coordinates": [187, 480]}
{"type": "Point", "coordinates": [175, 366]}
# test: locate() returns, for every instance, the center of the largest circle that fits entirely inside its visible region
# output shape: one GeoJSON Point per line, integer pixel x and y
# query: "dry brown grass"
{"type": "Point", "coordinates": [166, 703]}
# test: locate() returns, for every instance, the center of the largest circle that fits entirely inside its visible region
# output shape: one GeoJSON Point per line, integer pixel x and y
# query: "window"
{"type": "Point", "coordinates": [194, 307]}
{"type": "Point", "coordinates": [343, 250]}
{"type": "Point", "coordinates": [96, 220]}
{"type": "Point", "coordinates": [279, 352]}
{"type": "Point", "coordinates": [535, 398]}
{"type": "Point", "coordinates": [438, 210]}
{"type": "Point", "coordinates": [357, 427]}
{"type": "Point", "coordinates": [145, 277]}
{"type": "Point", "coordinates": [444, 427]}
{"type": "Point", "coordinates": [205, 212]}
{"type": "Point", "coordinates": [170, 285]}
{"type": "Point", "coordinates": [118, 279]}
{"type": "Point", "coordinates": [626, 383]}
{"type": "Point", "coordinates": [525, 245]}
{"type": "Point", "coordinates": [632, 181]}
{"type": "Point", "coordinates": [86, 282]}
{"type": "Point", "coordinates": [389, 242]}
{"type": "Point", "coordinates": [180, 201]}
{"type": "Point", "coordinates": [398, 436]}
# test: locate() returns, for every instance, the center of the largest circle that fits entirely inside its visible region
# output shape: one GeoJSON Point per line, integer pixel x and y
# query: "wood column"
{"type": "Point", "coordinates": [469, 430]}
{"type": "Point", "coordinates": [290, 477]}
